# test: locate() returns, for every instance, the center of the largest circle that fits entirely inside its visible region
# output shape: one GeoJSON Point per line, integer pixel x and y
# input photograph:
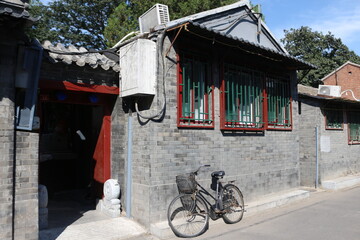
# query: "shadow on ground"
{"type": "Point", "coordinates": [69, 208]}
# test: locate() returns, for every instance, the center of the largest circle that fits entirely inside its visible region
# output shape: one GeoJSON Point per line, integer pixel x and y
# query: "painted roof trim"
{"type": "Point", "coordinates": [347, 63]}
{"type": "Point", "coordinates": [79, 56]}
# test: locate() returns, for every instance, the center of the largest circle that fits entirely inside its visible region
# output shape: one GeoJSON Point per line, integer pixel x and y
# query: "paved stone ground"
{"type": "Point", "coordinates": [93, 225]}
{"type": "Point", "coordinates": [330, 215]}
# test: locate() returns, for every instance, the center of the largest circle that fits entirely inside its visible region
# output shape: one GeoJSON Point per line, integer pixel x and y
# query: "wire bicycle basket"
{"type": "Point", "coordinates": [186, 183]}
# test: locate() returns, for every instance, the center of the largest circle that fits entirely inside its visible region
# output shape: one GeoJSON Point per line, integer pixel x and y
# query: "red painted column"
{"type": "Point", "coordinates": [102, 153]}
{"type": "Point", "coordinates": [107, 142]}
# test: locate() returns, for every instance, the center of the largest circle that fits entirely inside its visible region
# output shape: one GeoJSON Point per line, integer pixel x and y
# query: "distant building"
{"type": "Point", "coordinates": [329, 135]}
{"type": "Point", "coordinates": [347, 76]}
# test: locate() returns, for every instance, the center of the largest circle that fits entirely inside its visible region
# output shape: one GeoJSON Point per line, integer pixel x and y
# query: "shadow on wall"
{"type": "Point", "coordinates": [227, 133]}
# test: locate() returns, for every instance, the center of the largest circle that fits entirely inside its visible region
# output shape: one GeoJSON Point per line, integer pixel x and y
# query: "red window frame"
{"type": "Point", "coordinates": [240, 125]}
{"type": "Point", "coordinates": [275, 125]}
{"type": "Point", "coordinates": [265, 107]}
{"type": "Point", "coordinates": [190, 119]}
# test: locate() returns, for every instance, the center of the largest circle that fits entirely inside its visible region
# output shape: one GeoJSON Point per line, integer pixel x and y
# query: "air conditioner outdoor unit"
{"type": "Point", "coordinates": [329, 90]}
{"type": "Point", "coordinates": [157, 15]}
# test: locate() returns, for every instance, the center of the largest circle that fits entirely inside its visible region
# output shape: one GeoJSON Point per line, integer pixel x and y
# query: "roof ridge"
{"type": "Point", "coordinates": [80, 56]}
{"type": "Point", "coordinates": [338, 68]}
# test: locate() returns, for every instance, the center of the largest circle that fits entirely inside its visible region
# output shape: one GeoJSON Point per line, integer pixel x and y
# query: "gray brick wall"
{"type": "Point", "coordinates": [336, 157]}
{"type": "Point", "coordinates": [26, 210]}
{"type": "Point", "coordinates": [342, 159]}
{"type": "Point", "coordinates": [310, 118]}
{"type": "Point", "coordinates": [26, 220]}
{"type": "Point", "coordinates": [118, 144]}
{"type": "Point", "coordinates": [7, 63]}
{"type": "Point", "coordinates": [261, 163]}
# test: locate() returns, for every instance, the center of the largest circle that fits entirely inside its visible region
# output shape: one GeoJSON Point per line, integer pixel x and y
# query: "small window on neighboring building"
{"type": "Point", "coordinates": [354, 127]}
{"type": "Point", "coordinates": [242, 97]}
{"type": "Point", "coordinates": [195, 105]}
{"type": "Point", "coordinates": [334, 119]}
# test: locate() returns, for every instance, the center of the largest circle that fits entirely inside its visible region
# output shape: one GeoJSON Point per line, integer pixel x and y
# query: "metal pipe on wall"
{"type": "Point", "coordinates": [317, 156]}
{"type": "Point", "coordinates": [129, 168]}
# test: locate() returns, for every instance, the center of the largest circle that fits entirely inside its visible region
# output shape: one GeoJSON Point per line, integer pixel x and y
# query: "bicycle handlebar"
{"type": "Point", "coordinates": [206, 165]}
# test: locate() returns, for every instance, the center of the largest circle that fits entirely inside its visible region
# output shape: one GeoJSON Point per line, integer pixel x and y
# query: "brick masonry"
{"type": "Point", "coordinates": [336, 157]}
{"type": "Point", "coordinates": [261, 163]}
{"type": "Point", "coordinates": [346, 76]}
{"type": "Point", "coordinates": [26, 180]}
{"type": "Point", "coordinates": [27, 215]}
{"type": "Point", "coordinates": [7, 61]}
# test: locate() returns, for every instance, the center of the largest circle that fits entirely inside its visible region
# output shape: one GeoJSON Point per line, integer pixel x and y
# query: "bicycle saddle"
{"type": "Point", "coordinates": [218, 174]}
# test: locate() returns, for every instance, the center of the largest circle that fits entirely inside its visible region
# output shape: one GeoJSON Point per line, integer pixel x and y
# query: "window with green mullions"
{"type": "Point", "coordinates": [354, 127]}
{"type": "Point", "coordinates": [195, 93]}
{"type": "Point", "coordinates": [243, 98]}
{"type": "Point", "coordinates": [334, 119]}
{"type": "Point", "coordinates": [279, 103]}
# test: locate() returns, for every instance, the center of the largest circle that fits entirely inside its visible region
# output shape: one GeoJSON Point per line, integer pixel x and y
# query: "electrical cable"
{"type": "Point", "coordinates": [230, 45]}
{"type": "Point", "coordinates": [233, 22]}
{"type": "Point", "coordinates": [110, 50]}
{"type": "Point", "coordinates": [125, 37]}
{"type": "Point", "coordinates": [160, 53]}
{"type": "Point", "coordinates": [352, 93]}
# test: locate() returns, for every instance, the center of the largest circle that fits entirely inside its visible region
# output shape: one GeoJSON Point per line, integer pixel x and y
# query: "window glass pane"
{"type": "Point", "coordinates": [354, 126]}
{"type": "Point", "coordinates": [186, 97]}
{"type": "Point", "coordinates": [195, 93]}
{"type": "Point", "coordinates": [279, 102]}
{"type": "Point", "coordinates": [334, 119]}
{"type": "Point", "coordinates": [243, 98]}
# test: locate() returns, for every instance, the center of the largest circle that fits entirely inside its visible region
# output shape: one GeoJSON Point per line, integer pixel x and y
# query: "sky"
{"type": "Point", "coordinates": [340, 17]}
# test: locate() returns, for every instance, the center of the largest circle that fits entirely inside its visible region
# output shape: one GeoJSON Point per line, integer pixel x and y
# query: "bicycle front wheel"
{"type": "Point", "coordinates": [188, 216]}
{"type": "Point", "coordinates": [233, 203]}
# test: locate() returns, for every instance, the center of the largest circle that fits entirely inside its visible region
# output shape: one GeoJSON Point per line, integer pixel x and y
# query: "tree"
{"type": "Point", "coordinates": [77, 22]}
{"type": "Point", "coordinates": [324, 51]}
{"type": "Point", "coordinates": [125, 17]}
{"type": "Point", "coordinates": [41, 28]}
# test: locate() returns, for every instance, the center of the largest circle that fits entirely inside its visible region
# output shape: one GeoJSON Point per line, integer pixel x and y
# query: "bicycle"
{"type": "Point", "coordinates": [188, 213]}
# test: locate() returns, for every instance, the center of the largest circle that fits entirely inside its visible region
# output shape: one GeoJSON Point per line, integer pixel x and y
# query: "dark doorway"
{"type": "Point", "coordinates": [68, 138]}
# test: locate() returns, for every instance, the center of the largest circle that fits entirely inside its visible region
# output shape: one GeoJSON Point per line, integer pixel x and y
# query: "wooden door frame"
{"type": "Point", "coordinates": [78, 94]}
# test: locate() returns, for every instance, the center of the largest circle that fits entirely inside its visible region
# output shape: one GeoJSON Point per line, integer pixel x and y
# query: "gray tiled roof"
{"type": "Point", "coordinates": [311, 92]}
{"type": "Point", "coordinates": [15, 11]}
{"type": "Point", "coordinates": [79, 56]}
{"type": "Point", "coordinates": [307, 90]}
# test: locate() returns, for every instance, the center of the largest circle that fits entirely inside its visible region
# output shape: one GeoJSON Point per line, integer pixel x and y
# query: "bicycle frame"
{"type": "Point", "coordinates": [218, 202]}
{"type": "Point", "coordinates": [189, 212]}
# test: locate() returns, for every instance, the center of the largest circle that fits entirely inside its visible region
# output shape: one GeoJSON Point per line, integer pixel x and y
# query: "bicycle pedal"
{"type": "Point", "coordinates": [217, 211]}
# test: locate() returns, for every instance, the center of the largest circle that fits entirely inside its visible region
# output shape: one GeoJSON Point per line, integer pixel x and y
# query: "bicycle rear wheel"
{"type": "Point", "coordinates": [188, 216]}
{"type": "Point", "coordinates": [233, 203]}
